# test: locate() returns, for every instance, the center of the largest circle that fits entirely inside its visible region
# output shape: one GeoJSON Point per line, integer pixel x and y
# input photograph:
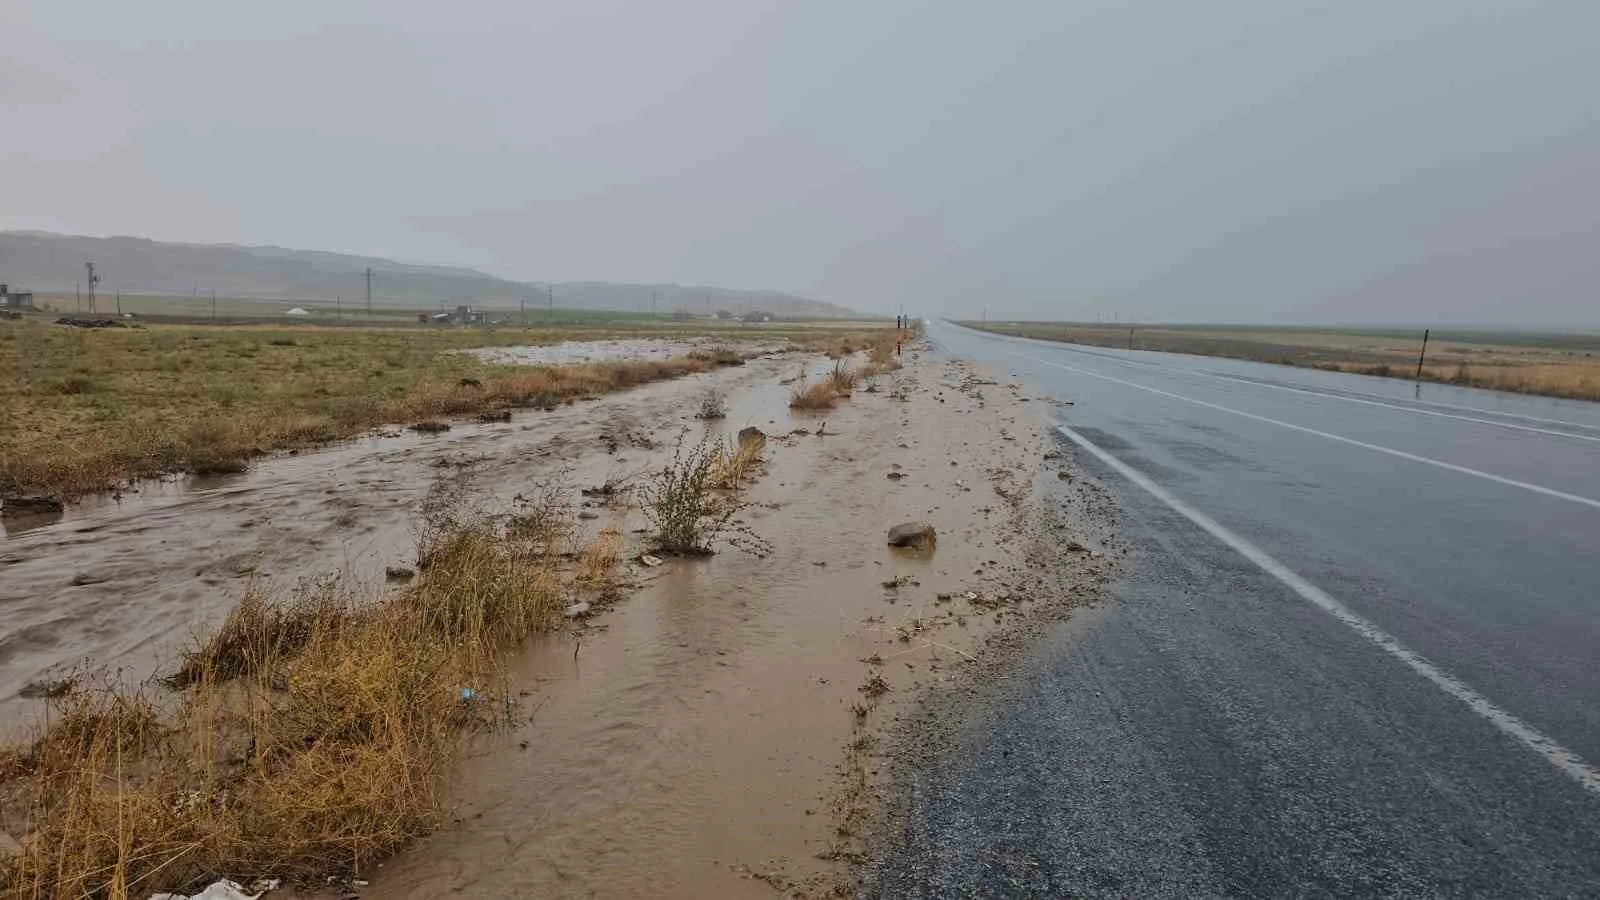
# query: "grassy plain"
{"type": "Point", "coordinates": [1557, 365]}
{"type": "Point", "coordinates": [82, 410]}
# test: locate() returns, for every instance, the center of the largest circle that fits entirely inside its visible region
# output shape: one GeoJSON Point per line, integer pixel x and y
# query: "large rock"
{"type": "Point", "coordinates": [29, 506]}
{"type": "Point", "coordinates": [919, 535]}
{"type": "Point", "coordinates": [752, 435]}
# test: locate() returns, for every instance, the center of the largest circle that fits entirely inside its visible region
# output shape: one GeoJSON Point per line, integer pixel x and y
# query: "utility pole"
{"type": "Point", "coordinates": [119, 303]}
{"type": "Point", "coordinates": [369, 290]}
{"type": "Point", "coordinates": [652, 303]}
{"type": "Point", "coordinates": [338, 310]}
{"type": "Point", "coordinates": [93, 280]}
{"type": "Point", "coordinates": [77, 296]}
{"type": "Point", "coordinates": [550, 291]}
{"type": "Point", "coordinates": [522, 303]}
{"type": "Point", "coordinates": [213, 306]}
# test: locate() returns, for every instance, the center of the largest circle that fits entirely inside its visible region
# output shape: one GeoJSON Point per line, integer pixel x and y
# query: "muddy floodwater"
{"type": "Point", "coordinates": [717, 732]}
{"type": "Point", "coordinates": [124, 583]}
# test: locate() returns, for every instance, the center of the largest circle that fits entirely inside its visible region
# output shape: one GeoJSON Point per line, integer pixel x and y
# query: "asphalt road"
{"type": "Point", "coordinates": [1356, 651]}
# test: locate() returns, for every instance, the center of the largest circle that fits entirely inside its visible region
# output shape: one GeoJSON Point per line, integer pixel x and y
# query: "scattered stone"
{"type": "Point", "coordinates": [84, 578]}
{"type": "Point", "coordinates": [577, 610]}
{"type": "Point", "coordinates": [398, 573]}
{"type": "Point", "coordinates": [896, 476]}
{"type": "Point", "coordinates": [651, 561]}
{"type": "Point", "coordinates": [495, 415]}
{"type": "Point", "coordinates": [919, 535]}
{"type": "Point", "coordinates": [1052, 454]}
{"type": "Point", "coordinates": [21, 505]}
{"type": "Point", "coordinates": [588, 514]}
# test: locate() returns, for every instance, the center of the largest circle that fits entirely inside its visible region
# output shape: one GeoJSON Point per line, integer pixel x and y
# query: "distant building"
{"type": "Point", "coordinates": [463, 315]}
{"type": "Point", "coordinates": [724, 314]}
{"type": "Point", "coordinates": [756, 315]}
{"type": "Point", "coordinates": [15, 300]}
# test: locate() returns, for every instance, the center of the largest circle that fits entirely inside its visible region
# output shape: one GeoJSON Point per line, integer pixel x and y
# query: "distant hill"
{"type": "Point", "coordinates": [45, 262]}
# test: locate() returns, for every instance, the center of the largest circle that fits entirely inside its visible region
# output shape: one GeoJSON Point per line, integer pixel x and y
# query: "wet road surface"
{"type": "Point", "coordinates": [1353, 653]}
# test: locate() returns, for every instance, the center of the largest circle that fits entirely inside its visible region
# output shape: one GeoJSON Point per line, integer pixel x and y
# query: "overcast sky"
{"type": "Point", "coordinates": [1233, 160]}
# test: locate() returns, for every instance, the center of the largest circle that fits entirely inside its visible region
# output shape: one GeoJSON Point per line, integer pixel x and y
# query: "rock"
{"type": "Point", "coordinates": [84, 578]}
{"type": "Point", "coordinates": [495, 415]}
{"type": "Point", "coordinates": [588, 514]}
{"type": "Point", "coordinates": [431, 427]}
{"type": "Point", "coordinates": [896, 475]}
{"type": "Point", "coordinates": [29, 506]}
{"type": "Point", "coordinates": [919, 535]}
{"type": "Point", "coordinates": [651, 561]}
{"type": "Point", "coordinates": [398, 573]}
{"type": "Point", "coordinates": [752, 435]}
{"type": "Point", "coordinates": [577, 610]}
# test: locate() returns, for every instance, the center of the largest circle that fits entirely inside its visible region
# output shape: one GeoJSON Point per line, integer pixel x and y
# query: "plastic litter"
{"type": "Point", "coordinates": [225, 890]}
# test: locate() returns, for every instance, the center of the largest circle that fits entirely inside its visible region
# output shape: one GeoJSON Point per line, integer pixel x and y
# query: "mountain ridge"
{"type": "Point", "coordinates": [45, 261]}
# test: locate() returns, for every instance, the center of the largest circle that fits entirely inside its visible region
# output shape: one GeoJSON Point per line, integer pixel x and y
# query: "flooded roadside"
{"type": "Point", "coordinates": [718, 733]}
{"type": "Point", "coordinates": [122, 583]}
{"type": "Point", "coordinates": [720, 730]}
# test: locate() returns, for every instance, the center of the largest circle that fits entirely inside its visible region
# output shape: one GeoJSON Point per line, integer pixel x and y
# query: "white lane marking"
{"type": "Point", "coordinates": [1118, 355]}
{"type": "Point", "coordinates": [1426, 460]}
{"type": "Point", "coordinates": [1348, 399]}
{"type": "Point", "coordinates": [1526, 734]}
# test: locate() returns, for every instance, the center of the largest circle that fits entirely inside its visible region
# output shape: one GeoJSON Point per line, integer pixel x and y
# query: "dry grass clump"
{"type": "Point", "coordinates": [310, 740]}
{"type": "Point", "coordinates": [842, 379]}
{"type": "Point", "coordinates": [720, 356]}
{"type": "Point", "coordinates": [819, 395]}
{"type": "Point", "coordinates": [258, 632]}
{"type": "Point", "coordinates": [734, 462]}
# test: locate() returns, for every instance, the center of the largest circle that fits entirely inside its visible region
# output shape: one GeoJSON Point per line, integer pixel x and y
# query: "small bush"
{"type": "Point", "coordinates": [687, 510]}
{"type": "Point", "coordinates": [713, 405]}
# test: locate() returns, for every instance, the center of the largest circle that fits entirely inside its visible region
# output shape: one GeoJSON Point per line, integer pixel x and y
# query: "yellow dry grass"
{"type": "Point", "coordinates": [308, 741]}
{"type": "Point", "coordinates": [85, 410]}
{"type": "Point", "coordinates": [1557, 365]}
{"type": "Point", "coordinates": [814, 396]}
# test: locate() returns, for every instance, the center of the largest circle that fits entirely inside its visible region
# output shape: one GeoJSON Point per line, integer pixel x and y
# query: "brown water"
{"type": "Point", "coordinates": [693, 745]}
{"type": "Point", "coordinates": [125, 583]}
{"type": "Point", "coordinates": [691, 741]}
